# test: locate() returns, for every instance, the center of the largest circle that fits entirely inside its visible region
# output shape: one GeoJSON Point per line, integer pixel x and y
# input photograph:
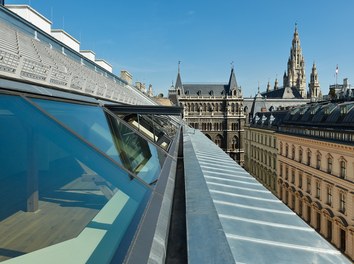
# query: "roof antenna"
{"type": "Point", "coordinates": [179, 67]}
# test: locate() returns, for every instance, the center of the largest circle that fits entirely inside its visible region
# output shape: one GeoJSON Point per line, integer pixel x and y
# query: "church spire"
{"type": "Point", "coordinates": [314, 85]}
{"type": "Point", "coordinates": [295, 76]}
{"type": "Point", "coordinates": [233, 87]}
{"type": "Point", "coordinates": [276, 84]}
{"type": "Point", "coordinates": [268, 87]}
{"type": "Point", "coordinates": [178, 80]}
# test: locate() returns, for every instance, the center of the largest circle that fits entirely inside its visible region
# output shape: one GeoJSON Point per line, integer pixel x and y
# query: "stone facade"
{"type": "Point", "coordinates": [215, 109]}
{"type": "Point", "coordinates": [316, 169]}
{"type": "Point", "coordinates": [261, 148]}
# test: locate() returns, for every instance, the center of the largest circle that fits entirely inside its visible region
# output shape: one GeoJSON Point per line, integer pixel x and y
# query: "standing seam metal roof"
{"type": "Point", "coordinates": [256, 226]}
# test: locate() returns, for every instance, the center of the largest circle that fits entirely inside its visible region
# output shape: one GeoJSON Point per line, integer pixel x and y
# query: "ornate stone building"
{"type": "Point", "coordinates": [316, 169]}
{"type": "Point", "coordinates": [215, 109]}
{"type": "Point", "coordinates": [261, 148]}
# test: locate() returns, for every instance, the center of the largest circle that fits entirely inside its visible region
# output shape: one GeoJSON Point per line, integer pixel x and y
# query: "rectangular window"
{"type": "Point", "coordinates": [318, 190]}
{"type": "Point", "coordinates": [343, 169]}
{"type": "Point", "coordinates": [293, 176]}
{"type": "Point", "coordinates": [286, 173]}
{"type": "Point", "coordinates": [300, 179]}
{"type": "Point", "coordinates": [318, 162]}
{"type": "Point", "coordinates": [342, 202]}
{"type": "Point", "coordinates": [281, 170]}
{"type": "Point", "coordinates": [309, 158]}
{"type": "Point", "coordinates": [308, 184]}
{"type": "Point", "coordinates": [329, 195]}
{"type": "Point", "coordinates": [329, 165]}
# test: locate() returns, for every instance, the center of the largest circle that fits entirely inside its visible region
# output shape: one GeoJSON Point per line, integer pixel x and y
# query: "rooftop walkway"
{"type": "Point", "coordinates": [232, 218]}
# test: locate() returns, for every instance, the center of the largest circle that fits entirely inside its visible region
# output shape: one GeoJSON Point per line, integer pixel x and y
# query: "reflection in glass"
{"type": "Point", "coordinates": [53, 185]}
{"type": "Point", "coordinates": [111, 136]}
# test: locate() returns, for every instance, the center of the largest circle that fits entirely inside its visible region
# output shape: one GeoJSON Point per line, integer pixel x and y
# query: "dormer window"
{"type": "Point", "coordinates": [343, 110]}
{"type": "Point", "coordinates": [199, 92]}
{"type": "Point", "coordinates": [211, 92]}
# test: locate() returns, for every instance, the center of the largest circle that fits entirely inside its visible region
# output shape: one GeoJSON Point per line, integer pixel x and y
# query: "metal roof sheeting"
{"type": "Point", "coordinates": [255, 225]}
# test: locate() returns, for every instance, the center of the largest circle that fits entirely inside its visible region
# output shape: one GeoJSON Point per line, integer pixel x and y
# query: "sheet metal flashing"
{"type": "Point", "coordinates": [232, 218]}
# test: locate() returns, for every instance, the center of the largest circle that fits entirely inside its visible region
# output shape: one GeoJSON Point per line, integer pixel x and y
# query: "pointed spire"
{"type": "Point", "coordinates": [232, 80]}
{"type": "Point", "coordinates": [314, 85]}
{"type": "Point", "coordinates": [178, 80]}
{"type": "Point", "coordinates": [276, 84]}
{"type": "Point", "coordinates": [268, 87]}
{"type": "Point", "coordinates": [150, 92]}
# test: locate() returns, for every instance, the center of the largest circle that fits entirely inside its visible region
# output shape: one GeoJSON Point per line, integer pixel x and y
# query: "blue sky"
{"type": "Point", "coordinates": [149, 37]}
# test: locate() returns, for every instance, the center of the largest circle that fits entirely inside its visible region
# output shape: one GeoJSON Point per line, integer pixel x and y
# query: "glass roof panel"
{"type": "Point", "coordinates": [110, 135]}
{"type": "Point", "coordinates": [54, 187]}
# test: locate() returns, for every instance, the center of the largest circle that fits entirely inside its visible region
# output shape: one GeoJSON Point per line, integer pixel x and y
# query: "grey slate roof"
{"type": "Point", "coordinates": [280, 93]}
{"type": "Point", "coordinates": [205, 89]}
{"type": "Point", "coordinates": [269, 120]}
{"type": "Point", "coordinates": [325, 114]}
{"type": "Point", "coordinates": [208, 89]}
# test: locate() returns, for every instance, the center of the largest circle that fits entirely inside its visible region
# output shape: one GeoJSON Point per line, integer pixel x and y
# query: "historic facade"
{"type": "Point", "coordinates": [316, 169]}
{"type": "Point", "coordinates": [261, 148]}
{"type": "Point", "coordinates": [215, 109]}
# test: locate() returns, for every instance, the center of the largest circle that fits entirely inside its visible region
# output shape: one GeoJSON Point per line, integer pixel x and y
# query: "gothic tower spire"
{"type": "Point", "coordinates": [295, 76]}
{"type": "Point", "coordinates": [314, 85]}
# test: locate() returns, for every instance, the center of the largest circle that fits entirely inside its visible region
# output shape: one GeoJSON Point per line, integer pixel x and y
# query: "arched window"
{"type": "Point", "coordinates": [233, 108]}
{"type": "Point", "coordinates": [234, 143]}
{"type": "Point", "coordinates": [218, 140]}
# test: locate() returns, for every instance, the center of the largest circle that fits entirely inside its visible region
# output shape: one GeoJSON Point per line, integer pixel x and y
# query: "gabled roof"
{"type": "Point", "coordinates": [207, 89]}
{"type": "Point", "coordinates": [283, 93]}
